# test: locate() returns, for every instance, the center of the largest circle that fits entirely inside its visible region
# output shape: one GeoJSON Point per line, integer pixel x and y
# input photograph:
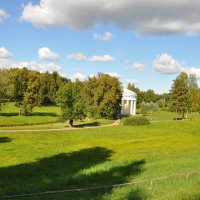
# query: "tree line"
{"type": "Point", "coordinates": [98, 96]}
{"type": "Point", "coordinates": [184, 96]}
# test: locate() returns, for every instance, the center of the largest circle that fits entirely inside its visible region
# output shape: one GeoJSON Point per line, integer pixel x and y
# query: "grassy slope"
{"type": "Point", "coordinates": [33, 162]}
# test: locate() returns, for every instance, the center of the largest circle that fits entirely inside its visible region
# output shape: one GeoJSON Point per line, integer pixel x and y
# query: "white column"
{"type": "Point", "coordinates": [134, 108]}
{"type": "Point", "coordinates": [131, 111]}
{"type": "Point", "coordinates": [122, 108]}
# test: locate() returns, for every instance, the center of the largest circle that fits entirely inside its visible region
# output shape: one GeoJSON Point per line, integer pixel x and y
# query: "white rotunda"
{"type": "Point", "coordinates": [129, 100]}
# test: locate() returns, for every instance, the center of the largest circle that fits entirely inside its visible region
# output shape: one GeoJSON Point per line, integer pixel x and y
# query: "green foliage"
{"type": "Point", "coordinates": [136, 121]}
{"type": "Point", "coordinates": [149, 108]}
{"type": "Point", "coordinates": [70, 97]}
{"type": "Point", "coordinates": [103, 94]}
{"type": "Point", "coordinates": [144, 96]}
{"type": "Point", "coordinates": [180, 93]}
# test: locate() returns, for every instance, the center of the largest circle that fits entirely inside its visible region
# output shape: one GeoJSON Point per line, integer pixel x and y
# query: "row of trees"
{"type": "Point", "coordinates": [99, 96]}
{"type": "Point", "coordinates": [183, 97]}
{"type": "Point", "coordinates": [144, 96]}
{"type": "Point", "coordinates": [29, 88]}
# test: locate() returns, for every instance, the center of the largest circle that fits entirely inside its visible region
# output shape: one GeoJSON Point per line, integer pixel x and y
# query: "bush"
{"type": "Point", "coordinates": [136, 121]}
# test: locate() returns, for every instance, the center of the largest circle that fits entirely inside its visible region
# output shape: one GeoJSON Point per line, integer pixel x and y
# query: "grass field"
{"type": "Point", "coordinates": [40, 115]}
{"type": "Point", "coordinates": [43, 161]}
{"type": "Point", "coordinates": [44, 117]}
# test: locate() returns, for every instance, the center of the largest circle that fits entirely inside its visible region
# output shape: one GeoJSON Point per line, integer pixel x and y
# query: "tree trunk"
{"type": "Point", "coordinates": [71, 122]}
{"type": "Point", "coordinates": [183, 115]}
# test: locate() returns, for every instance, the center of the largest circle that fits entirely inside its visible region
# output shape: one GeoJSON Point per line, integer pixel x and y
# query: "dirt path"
{"type": "Point", "coordinates": [117, 122]}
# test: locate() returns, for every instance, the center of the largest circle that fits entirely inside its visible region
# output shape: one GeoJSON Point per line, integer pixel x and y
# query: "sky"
{"type": "Point", "coordinates": [147, 43]}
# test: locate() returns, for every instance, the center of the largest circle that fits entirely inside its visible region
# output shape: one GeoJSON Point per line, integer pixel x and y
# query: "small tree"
{"type": "Point", "coordinates": [149, 107]}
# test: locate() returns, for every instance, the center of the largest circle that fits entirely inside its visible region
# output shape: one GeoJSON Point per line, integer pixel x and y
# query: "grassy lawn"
{"type": "Point", "coordinates": [40, 115]}
{"type": "Point", "coordinates": [43, 161]}
{"type": "Point", "coordinates": [44, 117]}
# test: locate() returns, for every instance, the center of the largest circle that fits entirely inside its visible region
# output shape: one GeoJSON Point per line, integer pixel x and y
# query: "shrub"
{"type": "Point", "coordinates": [136, 121]}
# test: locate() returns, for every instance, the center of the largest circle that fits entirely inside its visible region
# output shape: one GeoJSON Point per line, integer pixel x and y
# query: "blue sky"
{"type": "Point", "coordinates": [147, 43]}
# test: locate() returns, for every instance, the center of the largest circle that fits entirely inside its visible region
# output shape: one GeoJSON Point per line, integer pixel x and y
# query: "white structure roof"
{"type": "Point", "coordinates": [129, 93]}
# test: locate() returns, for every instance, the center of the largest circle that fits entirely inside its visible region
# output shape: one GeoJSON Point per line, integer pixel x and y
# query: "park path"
{"type": "Point", "coordinates": [117, 122]}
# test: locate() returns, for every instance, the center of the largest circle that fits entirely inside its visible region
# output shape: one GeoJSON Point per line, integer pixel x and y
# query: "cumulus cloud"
{"type": "Point", "coordinates": [144, 17]}
{"type": "Point", "coordinates": [166, 64]}
{"type": "Point", "coordinates": [138, 66]}
{"type": "Point", "coordinates": [106, 36]}
{"type": "Point", "coordinates": [114, 74]}
{"type": "Point", "coordinates": [4, 53]}
{"type": "Point", "coordinates": [192, 70]}
{"type": "Point", "coordinates": [95, 58]}
{"type": "Point", "coordinates": [79, 76]}
{"type": "Point", "coordinates": [104, 58]}
{"type": "Point", "coordinates": [47, 54]}
{"type": "Point", "coordinates": [77, 56]}
{"type": "Point", "coordinates": [32, 65]}
{"type": "Point", "coordinates": [3, 15]}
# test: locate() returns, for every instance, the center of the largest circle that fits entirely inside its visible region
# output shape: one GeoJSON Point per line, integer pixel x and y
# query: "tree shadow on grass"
{"type": "Point", "coordinates": [92, 124]}
{"type": "Point", "coordinates": [11, 114]}
{"type": "Point", "coordinates": [43, 114]}
{"type": "Point", "coordinates": [40, 114]}
{"type": "Point", "coordinates": [5, 139]}
{"type": "Point", "coordinates": [66, 171]}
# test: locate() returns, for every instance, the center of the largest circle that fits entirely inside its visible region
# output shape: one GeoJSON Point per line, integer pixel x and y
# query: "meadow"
{"type": "Point", "coordinates": [43, 117]}
{"type": "Point", "coordinates": [45, 161]}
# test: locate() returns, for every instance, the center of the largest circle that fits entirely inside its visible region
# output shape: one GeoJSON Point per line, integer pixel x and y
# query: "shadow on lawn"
{"type": "Point", "coordinates": [65, 171]}
{"type": "Point", "coordinates": [41, 114]}
{"type": "Point", "coordinates": [11, 114]}
{"type": "Point", "coordinates": [5, 139]}
{"type": "Point", "coordinates": [87, 125]}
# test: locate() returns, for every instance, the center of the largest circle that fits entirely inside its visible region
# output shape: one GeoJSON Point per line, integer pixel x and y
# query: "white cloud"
{"type": "Point", "coordinates": [3, 15]}
{"type": "Point", "coordinates": [144, 17]}
{"type": "Point", "coordinates": [47, 54]}
{"type": "Point", "coordinates": [95, 58]}
{"type": "Point", "coordinates": [5, 63]}
{"type": "Point", "coordinates": [114, 74]}
{"type": "Point", "coordinates": [166, 64]}
{"type": "Point", "coordinates": [138, 66]}
{"type": "Point", "coordinates": [104, 58]}
{"type": "Point", "coordinates": [4, 53]}
{"type": "Point", "coordinates": [79, 76]}
{"type": "Point", "coordinates": [32, 65]}
{"type": "Point", "coordinates": [77, 56]}
{"type": "Point", "coordinates": [41, 67]}
{"type": "Point", "coordinates": [192, 70]}
{"type": "Point", "coordinates": [106, 36]}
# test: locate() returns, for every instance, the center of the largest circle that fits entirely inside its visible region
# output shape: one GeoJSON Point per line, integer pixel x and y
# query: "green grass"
{"type": "Point", "coordinates": [44, 117]}
{"type": "Point", "coordinates": [43, 161]}
{"type": "Point", "coordinates": [40, 115]}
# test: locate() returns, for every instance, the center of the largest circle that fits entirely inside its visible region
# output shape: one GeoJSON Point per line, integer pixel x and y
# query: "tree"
{"type": "Point", "coordinates": [104, 95]}
{"type": "Point", "coordinates": [194, 92]}
{"type": "Point", "coordinates": [30, 96]}
{"type": "Point", "coordinates": [70, 98]}
{"type": "Point", "coordinates": [180, 93]}
{"type": "Point", "coordinates": [149, 107]}
{"type": "Point", "coordinates": [6, 87]}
